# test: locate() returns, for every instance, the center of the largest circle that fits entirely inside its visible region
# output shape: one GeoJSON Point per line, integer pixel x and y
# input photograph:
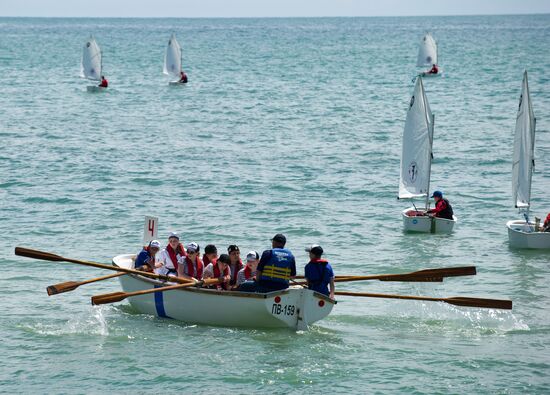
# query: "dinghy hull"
{"type": "Point", "coordinates": [95, 89]}
{"type": "Point", "coordinates": [522, 235]}
{"type": "Point", "coordinates": [414, 221]}
{"type": "Point", "coordinates": [294, 308]}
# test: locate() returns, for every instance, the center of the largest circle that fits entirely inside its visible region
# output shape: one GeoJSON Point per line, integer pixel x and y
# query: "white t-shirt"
{"type": "Point", "coordinates": [167, 263]}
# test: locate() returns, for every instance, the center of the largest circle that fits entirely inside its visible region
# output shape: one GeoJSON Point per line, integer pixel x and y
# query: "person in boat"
{"type": "Point", "coordinates": [248, 272]}
{"type": "Point", "coordinates": [443, 208]}
{"type": "Point", "coordinates": [276, 267]}
{"type": "Point", "coordinates": [191, 265]}
{"type": "Point", "coordinates": [434, 69]}
{"type": "Point", "coordinates": [219, 269]}
{"type": "Point", "coordinates": [546, 225]}
{"type": "Point", "coordinates": [145, 260]}
{"type": "Point", "coordinates": [171, 256]}
{"type": "Point", "coordinates": [236, 264]}
{"type": "Point", "coordinates": [183, 78]}
{"type": "Point", "coordinates": [318, 272]}
{"type": "Point", "coordinates": [210, 254]}
{"type": "Point", "coordinates": [104, 83]}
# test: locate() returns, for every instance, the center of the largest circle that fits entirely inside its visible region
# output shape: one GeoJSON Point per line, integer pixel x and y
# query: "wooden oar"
{"type": "Point", "coordinates": [427, 275]}
{"type": "Point", "coordinates": [457, 300]}
{"type": "Point", "coordinates": [118, 296]}
{"type": "Point", "coordinates": [48, 256]}
{"type": "Point", "coordinates": [70, 285]}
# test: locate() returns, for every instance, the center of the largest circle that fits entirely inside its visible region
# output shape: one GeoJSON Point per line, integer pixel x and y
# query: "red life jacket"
{"type": "Point", "coordinates": [173, 254]}
{"type": "Point", "coordinates": [191, 269]}
{"type": "Point", "coordinates": [247, 272]}
{"type": "Point", "coordinates": [547, 220]}
{"type": "Point", "coordinates": [217, 273]}
{"type": "Point", "coordinates": [206, 260]}
{"type": "Point", "coordinates": [238, 268]}
{"type": "Point", "coordinates": [104, 83]}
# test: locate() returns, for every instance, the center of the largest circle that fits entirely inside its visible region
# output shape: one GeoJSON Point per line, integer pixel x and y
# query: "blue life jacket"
{"type": "Point", "coordinates": [279, 267]}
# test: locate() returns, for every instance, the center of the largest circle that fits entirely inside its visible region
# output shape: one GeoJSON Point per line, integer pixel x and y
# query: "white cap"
{"type": "Point", "coordinates": [155, 244]}
{"type": "Point", "coordinates": [252, 255]}
{"type": "Point", "coordinates": [174, 234]}
{"type": "Point", "coordinates": [192, 247]}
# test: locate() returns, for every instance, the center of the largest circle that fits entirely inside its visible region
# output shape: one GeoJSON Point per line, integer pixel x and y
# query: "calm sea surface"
{"type": "Point", "coordinates": [286, 125]}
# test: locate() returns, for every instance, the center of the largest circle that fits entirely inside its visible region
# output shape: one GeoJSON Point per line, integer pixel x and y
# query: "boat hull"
{"type": "Point", "coordinates": [425, 224]}
{"type": "Point", "coordinates": [94, 88]}
{"type": "Point", "coordinates": [295, 308]}
{"type": "Point", "coordinates": [522, 235]}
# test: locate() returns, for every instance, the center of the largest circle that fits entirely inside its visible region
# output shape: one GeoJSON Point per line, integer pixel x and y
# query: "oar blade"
{"type": "Point", "coordinates": [432, 275]}
{"type": "Point", "coordinates": [109, 298]}
{"type": "Point", "coordinates": [30, 253]}
{"type": "Point", "coordinates": [62, 287]}
{"type": "Point", "coordinates": [479, 302]}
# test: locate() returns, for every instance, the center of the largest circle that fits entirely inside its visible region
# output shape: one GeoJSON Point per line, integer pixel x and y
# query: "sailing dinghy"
{"type": "Point", "coordinates": [91, 64]}
{"type": "Point", "coordinates": [416, 163]}
{"type": "Point", "coordinates": [523, 233]}
{"type": "Point", "coordinates": [427, 55]}
{"type": "Point", "coordinates": [173, 61]}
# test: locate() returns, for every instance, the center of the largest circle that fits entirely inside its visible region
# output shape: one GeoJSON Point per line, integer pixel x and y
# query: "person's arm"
{"type": "Point", "coordinates": [266, 255]}
{"type": "Point", "coordinates": [293, 268]}
{"type": "Point", "coordinates": [332, 288]}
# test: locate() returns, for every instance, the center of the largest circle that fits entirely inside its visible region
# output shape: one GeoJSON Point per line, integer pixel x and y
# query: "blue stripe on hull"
{"type": "Point", "coordinates": [159, 303]}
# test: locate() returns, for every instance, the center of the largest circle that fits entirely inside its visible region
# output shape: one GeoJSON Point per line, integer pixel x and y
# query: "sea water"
{"type": "Point", "coordinates": [286, 125]}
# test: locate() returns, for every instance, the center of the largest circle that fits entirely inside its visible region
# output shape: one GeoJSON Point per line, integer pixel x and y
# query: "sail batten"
{"type": "Point", "coordinates": [172, 58]}
{"type": "Point", "coordinates": [91, 65]}
{"type": "Point", "coordinates": [416, 155]}
{"type": "Point", "coordinates": [524, 147]}
{"type": "Point", "coordinates": [427, 53]}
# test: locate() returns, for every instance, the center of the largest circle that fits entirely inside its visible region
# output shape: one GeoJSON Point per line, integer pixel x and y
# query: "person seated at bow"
{"type": "Point", "coordinates": [171, 256]}
{"type": "Point", "coordinates": [145, 260]}
{"type": "Point", "coordinates": [210, 254]}
{"type": "Point", "coordinates": [434, 69]}
{"type": "Point", "coordinates": [191, 265]}
{"type": "Point", "coordinates": [219, 269]}
{"type": "Point", "coordinates": [442, 208]}
{"type": "Point", "coordinates": [248, 273]}
{"type": "Point", "coordinates": [104, 83]}
{"type": "Point", "coordinates": [236, 264]}
{"type": "Point", "coordinates": [318, 272]}
{"type": "Point", "coordinates": [183, 78]}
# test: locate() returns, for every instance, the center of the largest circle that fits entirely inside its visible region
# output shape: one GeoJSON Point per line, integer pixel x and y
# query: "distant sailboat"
{"type": "Point", "coordinates": [521, 233]}
{"type": "Point", "coordinates": [427, 56]}
{"type": "Point", "coordinates": [91, 64]}
{"type": "Point", "coordinates": [416, 163]}
{"type": "Point", "coordinates": [173, 61]}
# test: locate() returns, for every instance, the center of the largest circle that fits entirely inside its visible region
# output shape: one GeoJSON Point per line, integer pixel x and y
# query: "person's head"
{"type": "Point", "coordinates": [315, 251]}
{"type": "Point", "coordinates": [234, 253]}
{"type": "Point", "coordinates": [211, 251]}
{"type": "Point", "coordinates": [223, 260]}
{"type": "Point", "coordinates": [192, 250]}
{"type": "Point", "coordinates": [437, 195]}
{"type": "Point", "coordinates": [278, 241]}
{"type": "Point", "coordinates": [102, 77]}
{"type": "Point", "coordinates": [252, 259]}
{"type": "Point", "coordinates": [154, 246]}
{"type": "Point", "coordinates": [173, 240]}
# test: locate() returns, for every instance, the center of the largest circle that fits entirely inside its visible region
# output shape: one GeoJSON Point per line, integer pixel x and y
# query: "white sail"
{"type": "Point", "coordinates": [416, 156]}
{"type": "Point", "coordinates": [427, 53]}
{"type": "Point", "coordinates": [90, 66]}
{"type": "Point", "coordinates": [172, 58]}
{"type": "Point", "coordinates": [524, 146]}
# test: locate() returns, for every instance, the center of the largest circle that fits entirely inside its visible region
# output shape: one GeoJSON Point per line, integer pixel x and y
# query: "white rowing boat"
{"type": "Point", "coordinates": [416, 164]}
{"type": "Point", "coordinates": [295, 308]}
{"type": "Point", "coordinates": [522, 233]}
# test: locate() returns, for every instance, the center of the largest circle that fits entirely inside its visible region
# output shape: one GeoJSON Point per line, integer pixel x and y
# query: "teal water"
{"type": "Point", "coordinates": [290, 125]}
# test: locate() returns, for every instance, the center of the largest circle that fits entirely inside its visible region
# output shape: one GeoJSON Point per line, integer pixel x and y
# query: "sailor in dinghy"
{"type": "Point", "coordinates": [173, 62]}
{"type": "Point", "coordinates": [427, 56]}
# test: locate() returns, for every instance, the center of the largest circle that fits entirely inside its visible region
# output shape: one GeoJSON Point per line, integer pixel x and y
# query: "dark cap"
{"type": "Point", "coordinates": [232, 248]}
{"type": "Point", "coordinates": [210, 249]}
{"type": "Point", "coordinates": [315, 249]}
{"type": "Point", "coordinates": [437, 194]}
{"type": "Point", "coordinates": [224, 258]}
{"type": "Point", "coordinates": [279, 238]}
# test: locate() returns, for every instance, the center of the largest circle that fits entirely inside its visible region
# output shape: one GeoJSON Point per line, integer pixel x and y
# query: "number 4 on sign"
{"type": "Point", "coordinates": [150, 229]}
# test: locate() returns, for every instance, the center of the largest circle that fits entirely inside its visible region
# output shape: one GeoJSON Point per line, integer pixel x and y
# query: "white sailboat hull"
{"type": "Point", "coordinates": [294, 308]}
{"type": "Point", "coordinates": [425, 224]}
{"type": "Point", "coordinates": [522, 235]}
{"type": "Point", "coordinates": [94, 88]}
